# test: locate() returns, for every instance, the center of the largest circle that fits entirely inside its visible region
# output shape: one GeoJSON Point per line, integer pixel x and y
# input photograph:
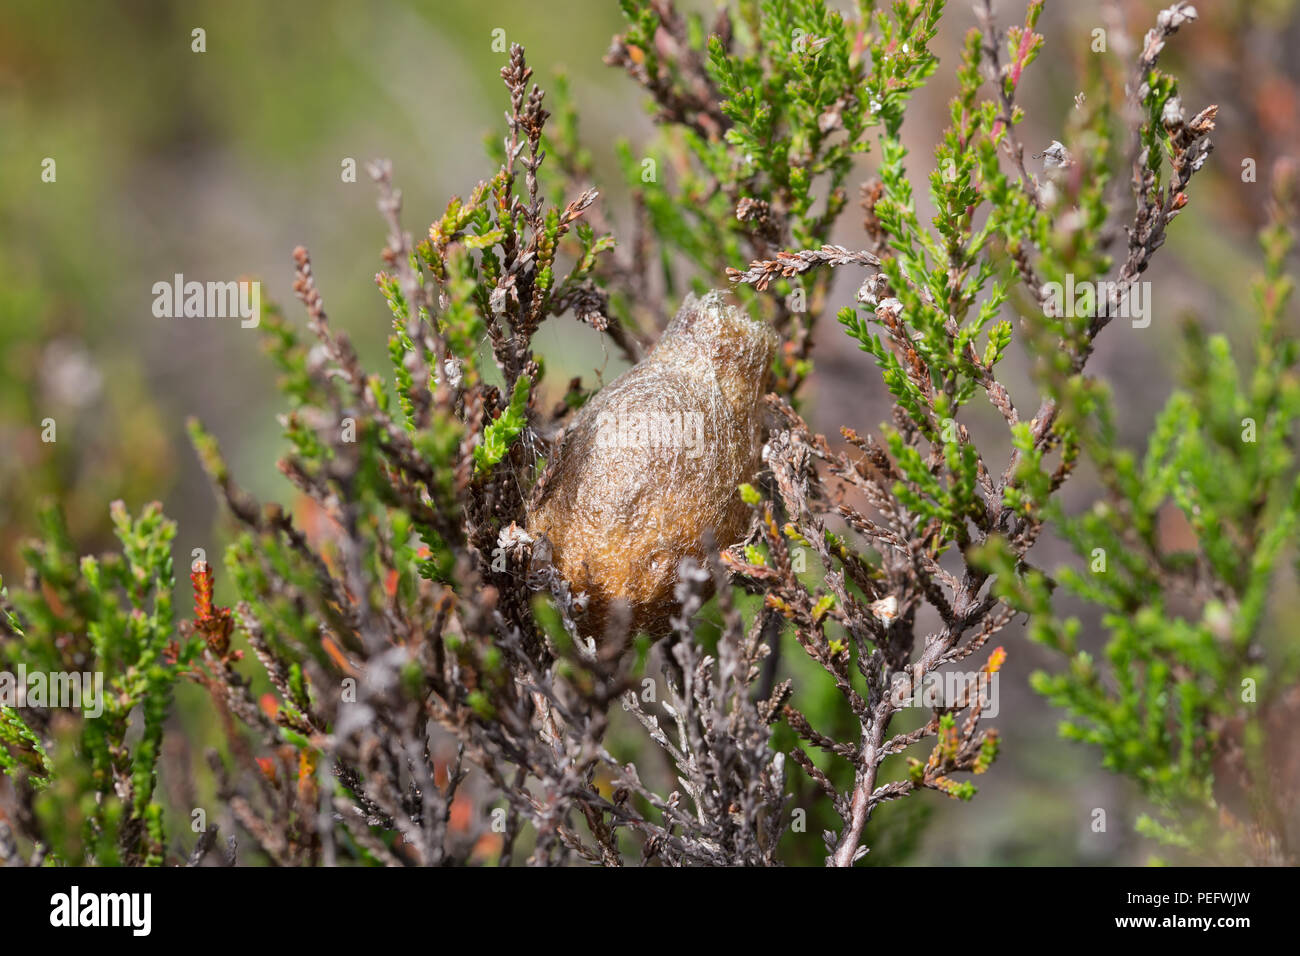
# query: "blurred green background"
{"type": "Point", "coordinates": [217, 164]}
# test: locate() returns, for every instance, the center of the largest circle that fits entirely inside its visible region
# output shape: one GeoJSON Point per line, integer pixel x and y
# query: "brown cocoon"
{"type": "Point", "coordinates": [647, 473]}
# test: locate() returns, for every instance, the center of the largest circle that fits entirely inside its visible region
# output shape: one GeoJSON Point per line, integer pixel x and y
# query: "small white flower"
{"type": "Point", "coordinates": [1056, 156]}
{"type": "Point", "coordinates": [317, 357]}
{"type": "Point", "coordinates": [452, 368]}
{"type": "Point", "coordinates": [513, 536]}
{"type": "Point", "coordinates": [69, 375]}
{"type": "Point", "coordinates": [1173, 112]}
{"type": "Point", "coordinates": [889, 308]}
{"type": "Point", "coordinates": [869, 291]}
{"type": "Point", "coordinates": [886, 609]}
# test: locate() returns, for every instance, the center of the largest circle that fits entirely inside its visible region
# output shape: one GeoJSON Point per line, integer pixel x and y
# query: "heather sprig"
{"type": "Point", "coordinates": [935, 295]}
{"type": "Point", "coordinates": [110, 618]}
{"type": "Point", "coordinates": [1188, 695]}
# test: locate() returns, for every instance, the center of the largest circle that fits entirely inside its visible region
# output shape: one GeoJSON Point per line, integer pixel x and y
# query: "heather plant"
{"type": "Point", "coordinates": [406, 676]}
{"type": "Point", "coordinates": [1189, 696]}
{"type": "Point", "coordinates": [89, 792]}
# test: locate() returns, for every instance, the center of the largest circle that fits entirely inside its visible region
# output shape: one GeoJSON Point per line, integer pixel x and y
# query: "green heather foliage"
{"type": "Point", "coordinates": [93, 788]}
{"type": "Point", "coordinates": [399, 679]}
{"type": "Point", "coordinates": [1181, 696]}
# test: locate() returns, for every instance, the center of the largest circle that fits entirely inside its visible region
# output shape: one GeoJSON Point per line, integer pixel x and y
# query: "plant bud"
{"type": "Point", "coordinates": [647, 473]}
